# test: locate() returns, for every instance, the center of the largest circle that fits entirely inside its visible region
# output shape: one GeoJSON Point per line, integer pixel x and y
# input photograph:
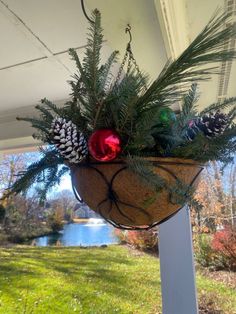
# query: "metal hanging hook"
{"type": "Point", "coordinates": [128, 30]}
{"type": "Point", "coordinates": [84, 11]}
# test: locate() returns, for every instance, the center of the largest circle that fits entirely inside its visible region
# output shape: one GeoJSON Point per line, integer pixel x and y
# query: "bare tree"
{"type": "Point", "coordinates": [65, 199]}
{"type": "Point", "coordinates": [214, 200]}
{"type": "Point", "coordinates": [11, 165]}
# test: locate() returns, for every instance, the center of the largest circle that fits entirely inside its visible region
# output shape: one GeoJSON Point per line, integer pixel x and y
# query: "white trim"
{"type": "Point", "coordinates": [172, 17]}
{"type": "Point", "coordinates": [225, 68]}
{"type": "Point", "coordinates": [18, 145]}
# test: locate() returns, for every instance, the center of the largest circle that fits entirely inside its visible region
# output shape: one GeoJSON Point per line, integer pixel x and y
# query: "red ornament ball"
{"type": "Point", "coordinates": [104, 145]}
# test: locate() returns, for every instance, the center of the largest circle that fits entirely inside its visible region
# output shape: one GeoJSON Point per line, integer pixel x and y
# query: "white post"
{"type": "Point", "coordinates": [177, 265]}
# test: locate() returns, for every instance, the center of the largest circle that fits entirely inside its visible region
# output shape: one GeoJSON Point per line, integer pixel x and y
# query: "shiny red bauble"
{"type": "Point", "coordinates": [104, 145]}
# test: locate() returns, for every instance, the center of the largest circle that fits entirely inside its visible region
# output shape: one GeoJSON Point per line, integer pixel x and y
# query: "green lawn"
{"type": "Point", "coordinates": [74, 280]}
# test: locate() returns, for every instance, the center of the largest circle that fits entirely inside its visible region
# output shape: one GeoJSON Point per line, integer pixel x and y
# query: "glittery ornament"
{"type": "Point", "coordinates": [104, 145]}
{"type": "Point", "coordinates": [167, 116]}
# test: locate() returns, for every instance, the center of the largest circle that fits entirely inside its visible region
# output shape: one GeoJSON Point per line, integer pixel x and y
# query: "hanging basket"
{"type": "Point", "coordinates": [119, 196]}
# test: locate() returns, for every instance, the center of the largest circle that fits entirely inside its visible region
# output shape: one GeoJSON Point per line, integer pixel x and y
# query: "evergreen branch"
{"type": "Point", "coordinates": [208, 47]}
{"type": "Point", "coordinates": [219, 106]}
{"type": "Point", "coordinates": [45, 113]}
{"type": "Point", "coordinates": [43, 171]}
{"type": "Point", "coordinates": [38, 124]}
{"type": "Point", "coordinates": [49, 181]}
{"type": "Point", "coordinates": [188, 110]}
{"type": "Point", "coordinates": [105, 69]}
{"type": "Point", "coordinates": [58, 111]}
{"type": "Point", "coordinates": [232, 116]}
{"type": "Point", "coordinates": [53, 177]}
{"type": "Point", "coordinates": [189, 101]}
{"type": "Point", "coordinates": [146, 172]}
{"type": "Point", "coordinates": [77, 91]}
{"type": "Point", "coordinates": [92, 53]}
{"type": "Point", "coordinates": [72, 111]}
{"type": "Point", "coordinates": [41, 137]}
{"type": "Point", "coordinates": [82, 73]}
{"type": "Point", "coordinates": [122, 100]}
{"type": "Point", "coordinates": [203, 149]}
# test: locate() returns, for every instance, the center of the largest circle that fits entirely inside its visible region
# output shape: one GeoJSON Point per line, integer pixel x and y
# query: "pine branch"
{"type": "Point", "coordinates": [38, 124]}
{"type": "Point", "coordinates": [49, 181]}
{"type": "Point", "coordinates": [145, 170]}
{"type": "Point", "coordinates": [53, 177]}
{"type": "Point", "coordinates": [189, 101]}
{"type": "Point", "coordinates": [121, 101]}
{"type": "Point", "coordinates": [48, 111]}
{"type": "Point", "coordinates": [73, 112]}
{"type": "Point", "coordinates": [43, 172]}
{"type": "Point", "coordinates": [188, 110]}
{"type": "Point", "coordinates": [208, 47]}
{"type": "Point", "coordinates": [92, 54]}
{"type": "Point", "coordinates": [54, 108]}
{"type": "Point", "coordinates": [232, 116]}
{"type": "Point", "coordinates": [203, 149]}
{"type": "Point", "coordinates": [45, 113]}
{"type": "Point", "coordinates": [105, 71]}
{"type": "Point", "coordinates": [82, 73]}
{"type": "Point", "coordinates": [89, 71]}
{"type": "Point", "coordinates": [219, 106]}
{"type": "Point", "coordinates": [41, 137]}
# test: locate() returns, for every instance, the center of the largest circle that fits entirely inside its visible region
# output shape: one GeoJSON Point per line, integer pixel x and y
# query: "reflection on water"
{"type": "Point", "coordinates": [81, 234]}
{"type": "Point", "coordinates": [95, 221]}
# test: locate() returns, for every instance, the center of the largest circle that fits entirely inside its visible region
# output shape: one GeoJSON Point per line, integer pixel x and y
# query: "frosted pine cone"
{"type": "Point", "coordinates": [210, 125]}
{"type": "Point", "coordinates": [69, 141]}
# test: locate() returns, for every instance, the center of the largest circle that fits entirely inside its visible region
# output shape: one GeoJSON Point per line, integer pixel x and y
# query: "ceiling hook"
{"type": "Point", "coordinates": [128, 30]}
{"type": "Point", "coordinates": [84, 11]}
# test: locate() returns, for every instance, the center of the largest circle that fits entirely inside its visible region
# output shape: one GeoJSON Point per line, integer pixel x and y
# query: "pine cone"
{"type": "Point", "coordinates": [210, 125]}
{"type": "Point", "coordinates": [69, 141]}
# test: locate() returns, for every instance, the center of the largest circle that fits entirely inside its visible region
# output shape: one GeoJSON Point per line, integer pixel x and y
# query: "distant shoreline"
{"type": "Point", "coordinates": [78, 220]}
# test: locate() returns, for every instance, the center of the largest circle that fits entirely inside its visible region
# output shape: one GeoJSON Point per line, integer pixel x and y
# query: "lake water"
{"type": "Point", "coordinates": [94, 232]}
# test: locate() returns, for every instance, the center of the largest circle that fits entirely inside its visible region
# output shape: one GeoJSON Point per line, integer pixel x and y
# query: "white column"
{"type": "Point", "coordinates": [177, 265]}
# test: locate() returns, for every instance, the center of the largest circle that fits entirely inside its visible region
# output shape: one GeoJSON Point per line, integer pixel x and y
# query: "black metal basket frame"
{"type": "Point", "coordinates": [113, 198]}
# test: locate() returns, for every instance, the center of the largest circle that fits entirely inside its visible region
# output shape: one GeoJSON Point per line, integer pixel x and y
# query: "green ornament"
{"type": "Point", "coordinates": [167, 116]}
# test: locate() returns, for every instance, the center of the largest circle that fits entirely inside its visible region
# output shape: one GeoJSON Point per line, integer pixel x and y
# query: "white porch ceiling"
{"type": "Point", "coordinates": [35, 36]}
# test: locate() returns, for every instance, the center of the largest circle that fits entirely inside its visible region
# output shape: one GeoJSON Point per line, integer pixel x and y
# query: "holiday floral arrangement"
{"type": "Point", "coordinates": [131, 157]}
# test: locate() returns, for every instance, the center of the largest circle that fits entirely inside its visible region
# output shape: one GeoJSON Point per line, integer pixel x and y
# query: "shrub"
{"type": "Point", "coordinates": [209, 303]}
{"type": "Point", "coordinates": [205, 255]}
{"type": "Point", "coordinates": [217, 251]}
{"type": "Point", "coordinates": [224, 244]}
{"type": "Point", "coordinates": [55, 224]}
{"type": "Point", "coordinates": [142, 240]}
{"type": "Point", "coordinates": [3, 238]}
{"type": "Point", "coordinates": [2, 213]}
{"type": "Point", "coordinates": [55, 219]}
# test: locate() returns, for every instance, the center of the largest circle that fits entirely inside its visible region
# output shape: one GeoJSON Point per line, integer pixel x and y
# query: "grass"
{"type": "Point", "coordinates": [217, 294]}
{"type": "Point", "coordinates": [92, 280]}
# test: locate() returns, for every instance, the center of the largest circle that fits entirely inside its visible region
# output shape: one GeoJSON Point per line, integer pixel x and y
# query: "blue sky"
{"type": "Point", "coordinates": [65, 183]}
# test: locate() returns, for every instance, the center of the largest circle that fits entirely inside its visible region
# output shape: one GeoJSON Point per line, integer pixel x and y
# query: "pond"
{"type": "Point", "coordinates": [93, 232]}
